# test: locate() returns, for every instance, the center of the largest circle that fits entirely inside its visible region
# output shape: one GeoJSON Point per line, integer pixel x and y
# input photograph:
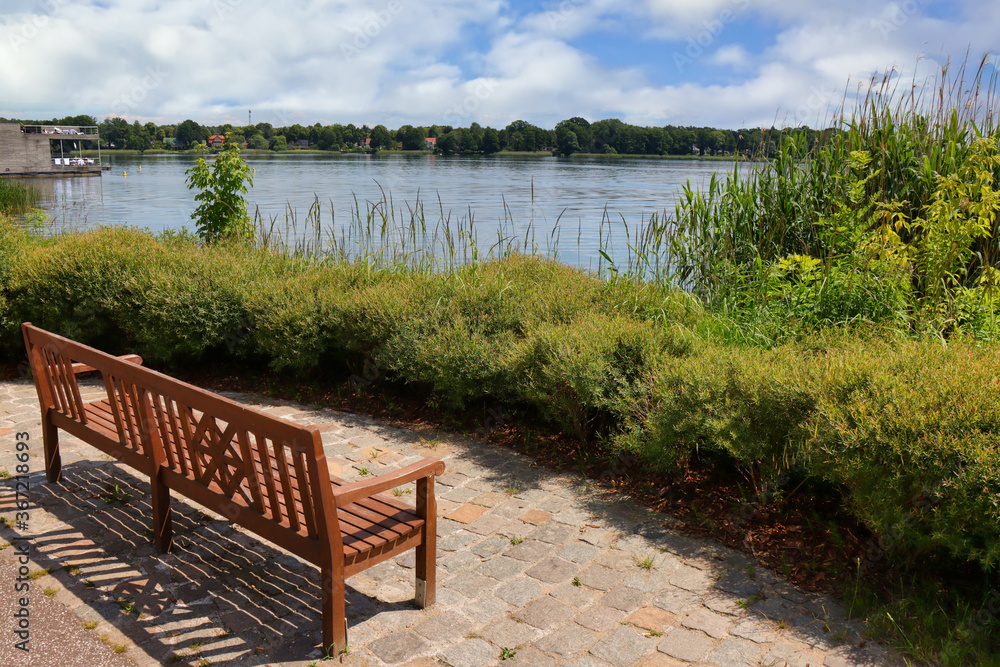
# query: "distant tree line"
{"type": "Point", "coordinates": [574, 135]}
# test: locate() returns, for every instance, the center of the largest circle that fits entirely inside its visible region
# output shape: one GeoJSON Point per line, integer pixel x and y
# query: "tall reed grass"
{"type": "Point", "coordinates": [868, 201]}
{"type": "Point", "coordinates": [17, 198]}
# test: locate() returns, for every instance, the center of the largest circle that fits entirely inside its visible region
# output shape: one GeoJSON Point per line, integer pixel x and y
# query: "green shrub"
{"type": "Point", "coordinates": [222, 208]}
{"type": "Point", "coordinates": [457, 361]}
{"type": "Point", "coordinates": [13, 244]}
{"type": "Point", "coordinates": [595, 372]}
{"type": "Point", "coordinates": [910, 430]}
{"type": "Point", "coordinates": [913, 433]}
{"type": "Point", "coordinates": [87, 286]}
{"type": "Point", "coordinates": [198, 303]}
{"type": "Point", "coordinates": [747, 404]}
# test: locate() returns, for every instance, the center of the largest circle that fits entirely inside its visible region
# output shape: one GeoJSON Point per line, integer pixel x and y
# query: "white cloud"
{"type": "Point", "coordinates": [424, 61]}
{"type": "Point", "coordinates": [734, 56]}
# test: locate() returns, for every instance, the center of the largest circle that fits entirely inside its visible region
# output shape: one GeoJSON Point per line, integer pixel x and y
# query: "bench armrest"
{"type": "Point", "coordinates": [84, 368]}
{"type": "Point", "coordinates": [355, 491]}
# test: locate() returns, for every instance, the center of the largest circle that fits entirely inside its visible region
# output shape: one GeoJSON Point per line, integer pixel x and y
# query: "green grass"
{"type": "Point", "coordinates": [645, 563]}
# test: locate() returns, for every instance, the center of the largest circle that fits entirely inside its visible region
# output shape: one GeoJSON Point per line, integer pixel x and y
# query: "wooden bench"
{"type": "Point", "coordinates": [265, 474]}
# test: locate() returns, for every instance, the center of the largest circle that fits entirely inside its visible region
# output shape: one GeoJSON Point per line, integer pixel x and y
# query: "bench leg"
{"type": "Point", "coordinates": [163, 532]}
{"type": "Point", "coordinates": [53, 461]}
{"type": "Point", "coordinates": [426, 572]}
{"type": "Point", "coordinates": [426, 569]}
{"type": "Point", "coordinates": [334, 613]}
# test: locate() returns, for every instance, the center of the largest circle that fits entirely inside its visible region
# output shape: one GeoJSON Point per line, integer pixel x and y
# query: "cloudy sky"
{"type": "Point", "coordinates": [725, 63]}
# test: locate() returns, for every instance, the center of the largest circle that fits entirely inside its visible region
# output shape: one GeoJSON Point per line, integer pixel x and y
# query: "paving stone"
{"type": "Point", "coordinates": [775, 610]}
{"type": "Point", "coordinates": [677, 601]}
{"type": "Point", "coordinates": [724, 604]}
{"type": "Point", "coordinates": [419, 662]}
{"type": "Point", "coordinates": [545, 613]}
{"type": "Point", "coordinates": [519, 592]}
{"type": "Point", "coordinates": [616, 559]}
{"type": "Point", "coordinates": [600, 618]}
{"type": "Point", "coordinates": [536, 517]}
{"type": "Point", "coordinates": [491, 546]}
{"type": "Point", "coordinates": [578, 553]}
{"type": "Point", "coordinates": [575, 596]}
{"type": "Point", "coordinates": [686, 644]}
{"type": "Point", "coordinates": [647, 581]}
{"type": "Point", "coordinates": [790, 655]}
{"type": "Point", "coordinates": [553, 534]}
{"type": "Point", "coordinates": [488, 499]}
{"type": "Point", "coordinates": [460, 561]}
{"type": "Point", "coordinates": [491, 524]}
{"type": "Point", "coordinates": [692, 579]}
{"type": "Point", "coordinates": [530, 657]}
{"type": "Point", "coordinates": [711, 623]}
{"type": "Point", "coordinates": [467, 513]}
{"type": "Point", "coordinates": [452, 479]}
{"type": "Point", "coordinates": [597, 536]}
{"type": "Point", "coordinates": [735, 652]}
{"type": "Point", "coordinates": [486, 608]}
{"type": "Point", "coordinates": [447, 526]}
{"type": "Point", "coordinates": [584, 661]}
{"type": "Point", "coordinates": [470, 653]}
{"type": "Point", "coordinates": [659, 660]}
{"type": "Point", "coordinates": [501, 568]}
{"type": "Point", "coordinates": [470, 584]}
{"type": "Point", "coordinates": [814, 632]}
{"type": "Point", "coordinates": [461, 495]}
{"type": "Point", "coordinates": [755, 629]}
{"type": "Point", "coordinates": [572, 516]}
{"type": "Point", "coordinates": [739, 584]}
{"type": "Point", "coordinates": [444, 627]}
{"type": "Point", "coordinates": [507, 633]}
{"type": "Point", "coordinates": [529, 550]}
{"type": "Point", "coordinates": [567, 640]}
{"type": "Point", "coordinates": [624, 598]}
{"type": "Point", "coordinates": [623, 647]}
{"type": "Point", "coordinates": [600, 577]}
{"type": "Point", "coordinates": [652, 618]}
{"type": "Point", "coordinates": [396, 647]}
{"type": "Point", "coordinates": [552, 570]}
{"type": "Point", "coordinates": [457, 541]}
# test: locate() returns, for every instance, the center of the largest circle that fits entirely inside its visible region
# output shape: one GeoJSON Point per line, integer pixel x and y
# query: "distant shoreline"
{"type": "Point", "coordinates": [400, 153]}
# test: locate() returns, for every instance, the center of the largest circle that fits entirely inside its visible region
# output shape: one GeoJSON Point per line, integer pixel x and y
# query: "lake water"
{"type": "Point", "coordinates": [523, 196]}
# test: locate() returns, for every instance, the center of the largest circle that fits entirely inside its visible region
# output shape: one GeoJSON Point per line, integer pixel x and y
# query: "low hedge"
{"type": "Point", "coordinates": [909, 429]}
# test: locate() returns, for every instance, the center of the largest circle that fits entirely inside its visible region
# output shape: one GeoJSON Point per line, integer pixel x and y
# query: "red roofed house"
{"type": "Point", "coordinates": [216, 140]}
{"type": "Point", "coordinates": [431, 142]}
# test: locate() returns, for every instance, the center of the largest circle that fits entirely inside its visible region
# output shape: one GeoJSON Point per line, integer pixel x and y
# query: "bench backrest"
{"type": "Point", "coordinates": [262, 472]}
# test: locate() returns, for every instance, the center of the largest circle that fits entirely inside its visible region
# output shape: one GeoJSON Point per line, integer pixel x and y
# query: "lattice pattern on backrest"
{"type": "Point", "coordinates": [58, 366]}
{"type": "Point", "coordinates": [126, 407]}
{"type": "Point", "coordinates": [233, 458]}
{"type": "Point", "coordinates": [251, 466]}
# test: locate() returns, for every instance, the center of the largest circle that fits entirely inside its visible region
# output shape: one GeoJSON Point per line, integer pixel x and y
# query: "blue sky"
{"type": "Point", "coordinates": [725, 63]}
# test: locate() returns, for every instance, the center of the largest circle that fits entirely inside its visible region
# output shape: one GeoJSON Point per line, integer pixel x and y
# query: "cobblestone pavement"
{"type": "Point", "coordinates": [535, 568]}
